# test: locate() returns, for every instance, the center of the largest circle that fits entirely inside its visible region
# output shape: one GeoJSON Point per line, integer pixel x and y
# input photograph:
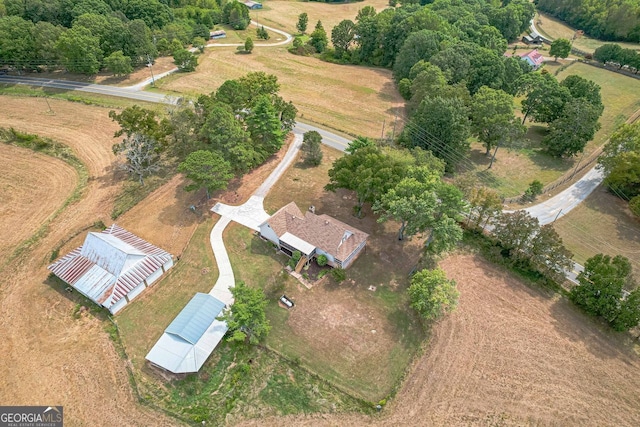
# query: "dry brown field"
{"type": "Point", "coordinates": [48, 357]}
{"type": "Point", "coordinates": [344, 97]}
{"type": "Point", "coordinates": [29, 198]}
{"type": "Point", "coordinates": [509, 355]}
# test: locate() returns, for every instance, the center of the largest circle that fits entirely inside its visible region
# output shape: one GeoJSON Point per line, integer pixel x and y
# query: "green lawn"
{"type": "Point", "coordinates": [515, 169]}
{"type": "Point", "coordinates": [358, 340]}
{"type": "Point", "coordinates": [601, 224]}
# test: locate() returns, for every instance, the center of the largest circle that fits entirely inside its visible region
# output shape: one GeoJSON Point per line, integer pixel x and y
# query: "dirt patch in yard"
{"type": "Point", "coordinates": [510, 355]}
{"type": "Point", "coordinates": [28, 198]}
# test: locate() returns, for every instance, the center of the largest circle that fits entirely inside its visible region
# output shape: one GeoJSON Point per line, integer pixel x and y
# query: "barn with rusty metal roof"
{"type": "Point", "coordinates": [112, 267]}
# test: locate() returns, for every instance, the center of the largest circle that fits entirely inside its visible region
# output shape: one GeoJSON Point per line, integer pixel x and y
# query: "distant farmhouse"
{"type": "Point", "coordinates": [252, 4]}
{"type": "Point", "coordinates": [314, 235]}
{"type": "Point", "coordinates": [219, 34]}
{"type": "Point", "coordinates": [192, 336]}
{"type": "Point", "coordinates": [533, 40]}
{"type": "Point", "coordinates": [533, 58]}
{"type": "Point", "coordinates": [113, 267]}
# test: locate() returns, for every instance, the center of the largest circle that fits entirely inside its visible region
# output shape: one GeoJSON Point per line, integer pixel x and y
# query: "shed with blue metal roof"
{"type": "Point", "coordinates": [191, 337]}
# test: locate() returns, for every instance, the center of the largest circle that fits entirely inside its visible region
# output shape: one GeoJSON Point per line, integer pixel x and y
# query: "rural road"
{"type": "Point", "coordinates": [287, 39]}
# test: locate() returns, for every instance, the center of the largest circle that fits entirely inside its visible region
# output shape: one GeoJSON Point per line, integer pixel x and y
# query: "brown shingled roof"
{"type": "Point", "coordinates": [329, 234]}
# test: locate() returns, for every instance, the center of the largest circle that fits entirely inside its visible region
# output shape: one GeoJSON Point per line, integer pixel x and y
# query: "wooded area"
{"type": "Point", "coordinates": [87, 35]}
{"type": "Point", "coordinates": [602, 19]}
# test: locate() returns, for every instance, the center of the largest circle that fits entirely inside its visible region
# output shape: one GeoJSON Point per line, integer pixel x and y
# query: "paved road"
{"type": "Point", "coordinates": [329, 138]}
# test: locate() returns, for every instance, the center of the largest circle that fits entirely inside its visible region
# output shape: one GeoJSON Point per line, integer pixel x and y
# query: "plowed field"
{"type": "Point", "coordinates": [510, 355]}
{"type": "Point", "coordinates": [48, 357]}
{"type": "Point", "coordinates": [28, 198]}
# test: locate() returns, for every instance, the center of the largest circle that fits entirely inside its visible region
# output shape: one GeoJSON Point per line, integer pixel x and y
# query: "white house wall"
{"type": "Point", "coordinates": [268, 233]}
{"type": "Point", "coordinates": [167, 265]}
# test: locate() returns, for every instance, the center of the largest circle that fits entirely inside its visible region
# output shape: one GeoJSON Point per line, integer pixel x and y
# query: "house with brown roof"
{"type": "Point", "coordinates": [113, 267]}
{"type": "Point", "coordinates": [314, 235]}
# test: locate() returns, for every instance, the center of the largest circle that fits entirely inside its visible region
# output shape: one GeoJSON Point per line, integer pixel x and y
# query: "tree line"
{"type": "Point", "coordinates": [87, 35]}
{"type": "Point", "coordinates": [601, 19]}
{"type": "Point", "coordinates": [614, 54]}
{"type": "Point", "coordinates": [448, 61]}
{"type": "Point", "coordinates": [221, 135]}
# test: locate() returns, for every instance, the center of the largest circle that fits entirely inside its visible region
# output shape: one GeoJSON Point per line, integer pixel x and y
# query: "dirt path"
{"type": "Point", "coordinates": [509, 355]}
{"type": "Point", "coordinates": [48, 357]}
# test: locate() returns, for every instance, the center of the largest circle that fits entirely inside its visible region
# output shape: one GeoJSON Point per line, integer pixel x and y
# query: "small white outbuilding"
{"type": "Point", "coordinates": [112, 267]}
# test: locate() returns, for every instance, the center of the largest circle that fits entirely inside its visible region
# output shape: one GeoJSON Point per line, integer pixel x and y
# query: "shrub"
{"type": "Point", "coordinates": [322, 260]}
{"type": "Point", "coordinates": [338, 274]}
{"type": "Point", "coordinates": [294, 259]}
{"type": "Point", "coordinates": [534, 190]}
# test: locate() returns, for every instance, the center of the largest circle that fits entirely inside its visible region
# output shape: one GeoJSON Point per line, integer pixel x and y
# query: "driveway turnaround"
{"type": "Point", "coordinates": [250, 214]}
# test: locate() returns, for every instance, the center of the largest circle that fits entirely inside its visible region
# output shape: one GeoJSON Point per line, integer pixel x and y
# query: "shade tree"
{"type": "Point", "coordinates": [206, 169]}
{"type": "Point", "coordinates": [431, 294]}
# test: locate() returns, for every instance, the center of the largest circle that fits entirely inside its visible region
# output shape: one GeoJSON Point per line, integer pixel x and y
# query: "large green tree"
{"type": "Point", "coordinates": [311, 151]}
{"type": "Point", "coordinates": [17, 44]}
{"type": "Point", "coordinates": [570, 133]}
{"type": "Point", "coordinates": [246, 318]}
{"type": "Point", "coordinates": [544, 97]}
{"type": "Point", "coordinates": [222, 132]}
{"type": "Point", "coordinates": [560, 48]}
{"type": "Point", "coordinates": [318, 38]}
{"type": "Point", "coordinates": [207, 169]}
{"type": "Point", "coordinates": [80, 50]}
{"type": "Point", "coordinates": [141, 120]}
{"type": "Point", "coordinates": [493, 120]}
{"type": "Point", "coordinates": [600, 290]}
{"type": "Point", "coordinates": [525, 242]}
{"type": "Point", "coordinates": [118, 64]}
{"type": "Point", "coordinates": [440, 125]}
{"type": "Point", "coordinates": [370, 172]}
{"type": "Point", "coordinates": [432, 295]}
{"type": "Point", "coordinates": [185, 60]}
{"type": "Point", "coordinates": [303, 21]}
{"type": "Point", "coordinates": [620, 160]}
{"type": "Point", "coordinates": [264, 127]}
{"type": "Point", "coordinates": [342, 36]}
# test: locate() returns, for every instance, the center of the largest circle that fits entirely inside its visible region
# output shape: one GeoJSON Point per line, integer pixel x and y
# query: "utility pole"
{"type": "Point", "coordinates": [554, 220]}
{"type": "Point", "coordinates": [150, 65]}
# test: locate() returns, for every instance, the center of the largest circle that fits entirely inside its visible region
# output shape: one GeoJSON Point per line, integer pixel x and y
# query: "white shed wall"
{"type": "Point", "coordinates": [118, 306]}
{"type": "Point", "coordinates": [154, 276]}
{"type": "Point", "coordinates": [136, 291]}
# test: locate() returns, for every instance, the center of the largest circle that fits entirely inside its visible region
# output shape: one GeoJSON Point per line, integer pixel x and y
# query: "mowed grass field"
{"type": "Point", "coordinates": [515, 169]}
{"type": "Point", "coordinates": [603, 223]}
{"type": "Point", "coordinates": [352, 99]}
{"type": "Point", "coordinates": [554, 28]}
{"type": "Point", "coordinates": [283, 15]}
